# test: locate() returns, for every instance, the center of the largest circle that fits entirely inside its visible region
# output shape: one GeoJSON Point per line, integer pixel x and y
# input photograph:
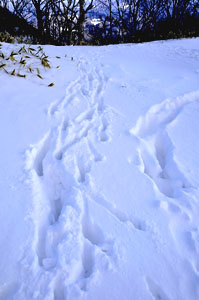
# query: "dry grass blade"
{"type": "Point", "coordinates": [30, 69]}
{"type": "Point", "coordinates": [6, 71]}
{"type": "Point", "coordinates": [22, 49]}
{"type": "Point", "coordinates": [40, 49]}
{"type": "Point", "coordinates": [39, 76]}
{"type": "Point", "coordinates": [2, 66]}
{"type": "Point", "coordinates": [21, 75]}
{"type": "Point", "coordinates": [20, 57]}
{"type": "Point", "coordinates": [31, 49]}
{"type": "Point", "coordinates": [22, 61]}
{"type": "Point", "coordinates": [45, 63]}
{"type": "Point", "coordinates": [11, 57]}
{"type": "Point", "coordinates": [13, 53]}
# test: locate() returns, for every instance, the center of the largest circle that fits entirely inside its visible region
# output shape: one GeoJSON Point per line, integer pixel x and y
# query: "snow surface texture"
{"type": "Point", "coordinates": [99, 175]}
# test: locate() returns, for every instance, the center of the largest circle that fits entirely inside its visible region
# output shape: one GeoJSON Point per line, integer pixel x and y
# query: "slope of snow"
{"type": "Point", "coordinates": [99, 175]}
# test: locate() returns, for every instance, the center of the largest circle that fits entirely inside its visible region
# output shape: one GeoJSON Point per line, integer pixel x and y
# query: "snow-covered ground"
{"type": "Point", "coordinates": [99, 175]}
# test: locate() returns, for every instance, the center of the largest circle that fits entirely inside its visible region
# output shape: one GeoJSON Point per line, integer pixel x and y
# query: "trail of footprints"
{"type": "Point", "coordinates": [155, 149]}
{"type": "Point", "coordinates": [68, 243]}
{"type": "Point", "coordinates": [69, 247]}
{"type": "Point", "coordinates": [157, 162]}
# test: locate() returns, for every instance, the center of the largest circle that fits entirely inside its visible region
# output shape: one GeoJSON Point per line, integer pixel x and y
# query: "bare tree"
{"type": "Point", "coordinates": [152, 12]}
{"type": "Point", "coordinates": [110, 11]}
{"type": "Point", "coordinates": [4, 3]}
{"type": "Point", "coordinates": [83, 10]}
{"type": "Point", "coordinates": [176, 9]}
{"type": "Point", "coordinates": [22, 8]}
{"type": "Point", "coordinates": [130, 17]}
{"type": "Point", "coordinates": [63, 19]}
{"type": "Point", "coordinates": [39, 7]}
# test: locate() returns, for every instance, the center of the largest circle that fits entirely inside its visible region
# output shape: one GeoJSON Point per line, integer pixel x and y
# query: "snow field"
{"type": "Point", "coordinates": [110, 176]}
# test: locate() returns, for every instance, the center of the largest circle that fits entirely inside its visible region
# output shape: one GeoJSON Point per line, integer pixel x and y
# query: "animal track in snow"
{"type": "Point", "coordinates": [98, 248]}
{"type": "Point", "coordinates": [193, 236]}
{"type": "Point", "coordinates": [96, 155]}
{"type": "Point", "coordinates": [160, 115]}
{"type": "Point", "coordinates": [156, 148]}
{"type": "Point", "coordinates": [40, 153]}
{"type": "Point", "coordinates": [155, 153]}
{"type": "Point", "coordinates": [120, 216]}
{"type": "Point", "coordinates": [84, 167]}
{"type": "Point", "coordinates": [155, 290]}
{"type": "Point", "coordinates": [103, 133]}
{"type": "Point", "coordinates": [156, 160]}
{"type": "Point", "coordinates": [67, 245]}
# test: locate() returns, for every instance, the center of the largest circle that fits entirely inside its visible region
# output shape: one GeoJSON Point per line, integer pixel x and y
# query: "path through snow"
{"type": "Point", "coordinates": [113, 208]}
{"type": "Point", "coordinates": [67, 249]}
{"type": "Point", "coordinates": [158, 162]}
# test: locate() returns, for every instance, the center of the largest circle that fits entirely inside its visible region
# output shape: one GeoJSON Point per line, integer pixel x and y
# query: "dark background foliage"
{"type": "Point", "coordinates": [99, 22]}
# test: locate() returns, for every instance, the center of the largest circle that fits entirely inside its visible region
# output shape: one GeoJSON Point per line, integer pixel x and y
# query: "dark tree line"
{"type": "Point", "coordinates": [146, 20]}
{"type": "Point", "coordinates": [107, 21]}
{"type": "Point", "coordinates": [57, 21]}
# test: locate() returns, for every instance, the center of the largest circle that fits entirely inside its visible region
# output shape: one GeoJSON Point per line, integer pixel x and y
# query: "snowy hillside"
{"type": "Point", "coordinates": [99, 175]}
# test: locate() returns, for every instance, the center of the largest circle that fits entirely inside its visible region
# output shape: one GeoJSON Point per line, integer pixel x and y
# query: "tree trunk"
{"type": "Point", "coordinates": [81, 21]}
